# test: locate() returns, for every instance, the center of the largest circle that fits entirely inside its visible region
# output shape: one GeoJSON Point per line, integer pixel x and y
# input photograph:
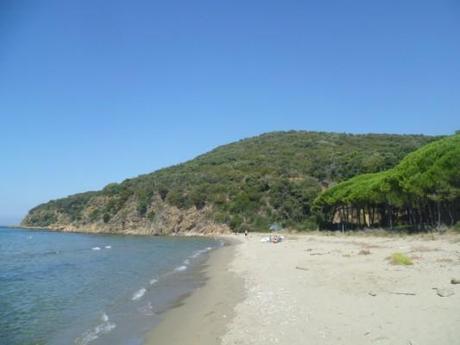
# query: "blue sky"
{"type": "Point", "coordinates": [96, 91]}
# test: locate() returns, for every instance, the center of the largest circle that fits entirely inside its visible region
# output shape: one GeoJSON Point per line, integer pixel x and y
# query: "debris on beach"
{"type": "Point", "coordinates": [276, 238]}
{"type": "Point", "coordinates": [272, 239]}
{"type": "Point", "coordinates": [325, 253]}
{"type": "Point", "coordinates": [403, 293]}
{"type": "Point", "coordinates": [443, 292]}
{"type": "Point", "coordinates": [455, 281]}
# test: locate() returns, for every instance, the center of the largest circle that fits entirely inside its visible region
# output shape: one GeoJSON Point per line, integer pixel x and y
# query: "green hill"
{"type": "Point", "coordinates": [248, 184]}
{"type": "Point", "coordinates": [423, 190]}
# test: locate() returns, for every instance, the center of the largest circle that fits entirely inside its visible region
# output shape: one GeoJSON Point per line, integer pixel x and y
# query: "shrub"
{"type": "Point", "coordinates": [95, 214]}
{"type": "Point", "coordinates": [456, 227]}
{"type": "Point", "coordinates": [400, 259]}
{"type": "Point", "coordinates": [106, 217]}
{"type": "Point", "coordinates": [178, 199]}
{"type": "Point", "coordinates": [151, 215]}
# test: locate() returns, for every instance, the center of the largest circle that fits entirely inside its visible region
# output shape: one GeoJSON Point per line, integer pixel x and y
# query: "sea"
{"type": "Point", "coordinates": [72, 288]}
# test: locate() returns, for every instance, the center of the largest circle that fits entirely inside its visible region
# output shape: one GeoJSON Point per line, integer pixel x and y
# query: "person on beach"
{"type": "Point", "coordinates": [245, 233]}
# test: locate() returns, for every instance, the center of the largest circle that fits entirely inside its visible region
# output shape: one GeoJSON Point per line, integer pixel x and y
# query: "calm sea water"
{"type": "Point", "coordinates": [67, 288]}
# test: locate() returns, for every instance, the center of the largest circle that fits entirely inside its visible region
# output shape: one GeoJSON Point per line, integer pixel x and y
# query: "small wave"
{"type": "Point", "coordinates": [103, 328]}
{"type": "Point", "coordinates": [104, 317]}
{"type": "Point", "coordinates": [96, 248]}
{"type": "Point", "coordinates": [138, 294]}
{"type": "Point", "coordinates": [108, 247]}
{"type": "Point", "coordinates": [147, 310]}
{"type": "Point", "coordinates": [200, 252]}
{"type": "Point", "coordinates": [180, 268]}
{"type": "Point", "coordinates": [153, 281]}
{"type": "Point", "coordinates": [187, 262]}
{"type": "Point", "coordinates": [195, 255]}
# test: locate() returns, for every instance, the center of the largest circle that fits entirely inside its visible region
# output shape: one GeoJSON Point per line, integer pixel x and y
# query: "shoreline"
{"type": "Point", "coordinates": [210, 235]}
{"type": "Point", "coordinates": [339, 289]}
{"type": "Point", "coordinates": [202, 317]}
{"type": "Point", "coordinates": [329, 288]}
{"type": "Point", "coordinates": [100, 289]}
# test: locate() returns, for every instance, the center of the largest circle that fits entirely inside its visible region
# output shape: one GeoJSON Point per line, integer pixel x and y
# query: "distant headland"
{"type": "Point", "coordinates": [298, 179]}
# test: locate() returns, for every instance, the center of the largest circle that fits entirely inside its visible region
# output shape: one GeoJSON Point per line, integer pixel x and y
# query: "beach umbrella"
{"type": "Point", "coordinates": [276, 227]}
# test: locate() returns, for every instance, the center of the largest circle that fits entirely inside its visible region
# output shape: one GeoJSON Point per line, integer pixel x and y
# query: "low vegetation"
{"type": "Point", "coordinates": [400, 259]}
{"type": "Point", "coordinates": [456, 227]}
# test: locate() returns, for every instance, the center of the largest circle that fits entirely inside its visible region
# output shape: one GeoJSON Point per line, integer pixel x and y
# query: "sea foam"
{"type": "Point", "coordinates": [180, 268]}
{"type": "Point", "coordinates": [138, 294]}
{"type": "Point", "coordinates": [200, 252]}
{"type": "Point", "coordinates": [147, 309]}
{"type": "Point", "coordinates": [103, 328]}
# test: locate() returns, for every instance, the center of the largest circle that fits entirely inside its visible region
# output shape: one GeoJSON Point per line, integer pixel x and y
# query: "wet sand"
{"type": "Point", "coordinates": [202, 317]}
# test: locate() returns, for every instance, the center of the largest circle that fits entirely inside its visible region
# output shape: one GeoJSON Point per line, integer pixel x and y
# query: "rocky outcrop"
{"type": "Point", "coordinates": [160, 218]}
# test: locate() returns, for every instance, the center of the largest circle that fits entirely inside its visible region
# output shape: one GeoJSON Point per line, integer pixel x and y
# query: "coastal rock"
{"type": "Point", "coordinates": [167, 220]}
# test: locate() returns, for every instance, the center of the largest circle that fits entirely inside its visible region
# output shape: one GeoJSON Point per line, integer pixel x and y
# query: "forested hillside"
{"type": "Point", "coordinates": [248, 184]}
{"type": "Point", "coordinates": [421, 191]}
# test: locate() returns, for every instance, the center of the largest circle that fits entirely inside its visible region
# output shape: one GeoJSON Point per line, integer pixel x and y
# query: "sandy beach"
{"type": "Point", "coordinates": [202, 317]}
{"type": "Point", "coordinates": [318, 289]}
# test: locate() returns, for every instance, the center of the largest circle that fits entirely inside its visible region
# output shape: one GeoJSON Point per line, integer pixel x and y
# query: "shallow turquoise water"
{"type": "Point", "coordinates": [67, 288]}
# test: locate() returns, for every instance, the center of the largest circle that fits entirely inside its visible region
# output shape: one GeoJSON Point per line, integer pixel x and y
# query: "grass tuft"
{"type": "Point", "coordinates": [400, 259]}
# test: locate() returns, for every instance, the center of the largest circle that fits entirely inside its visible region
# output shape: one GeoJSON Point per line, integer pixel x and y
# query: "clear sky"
{"type": "Point", "coordinates": [96, 91]}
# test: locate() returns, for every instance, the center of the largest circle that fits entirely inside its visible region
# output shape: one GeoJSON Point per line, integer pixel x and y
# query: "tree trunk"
{"type": "Point", "coordinates": [358, 217]}
{"type": "Point", "coordinates": [390, 216]}
{"type": "Point", "coordinates": [438, 204]}
{"type": "Point", "coordinates": [373, 216]}
{"type": "Point", "coordinates": [450, 215]}
{"type": "Point", "coordinates": [341, 218]}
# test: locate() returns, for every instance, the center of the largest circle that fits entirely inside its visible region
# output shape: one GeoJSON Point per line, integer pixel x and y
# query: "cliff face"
{"type": "Point", "coordinates": [163, 219]}
{"type": "Point", "coordinates": [247, 185]}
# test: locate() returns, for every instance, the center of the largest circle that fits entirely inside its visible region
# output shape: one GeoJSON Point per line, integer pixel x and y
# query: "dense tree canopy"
{"type": "Point", "coordinates": [422, 190]}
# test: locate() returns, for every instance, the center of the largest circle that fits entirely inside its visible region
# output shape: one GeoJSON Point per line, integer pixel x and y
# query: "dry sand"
{"type": "Point", "coordinates": [317, 289]}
